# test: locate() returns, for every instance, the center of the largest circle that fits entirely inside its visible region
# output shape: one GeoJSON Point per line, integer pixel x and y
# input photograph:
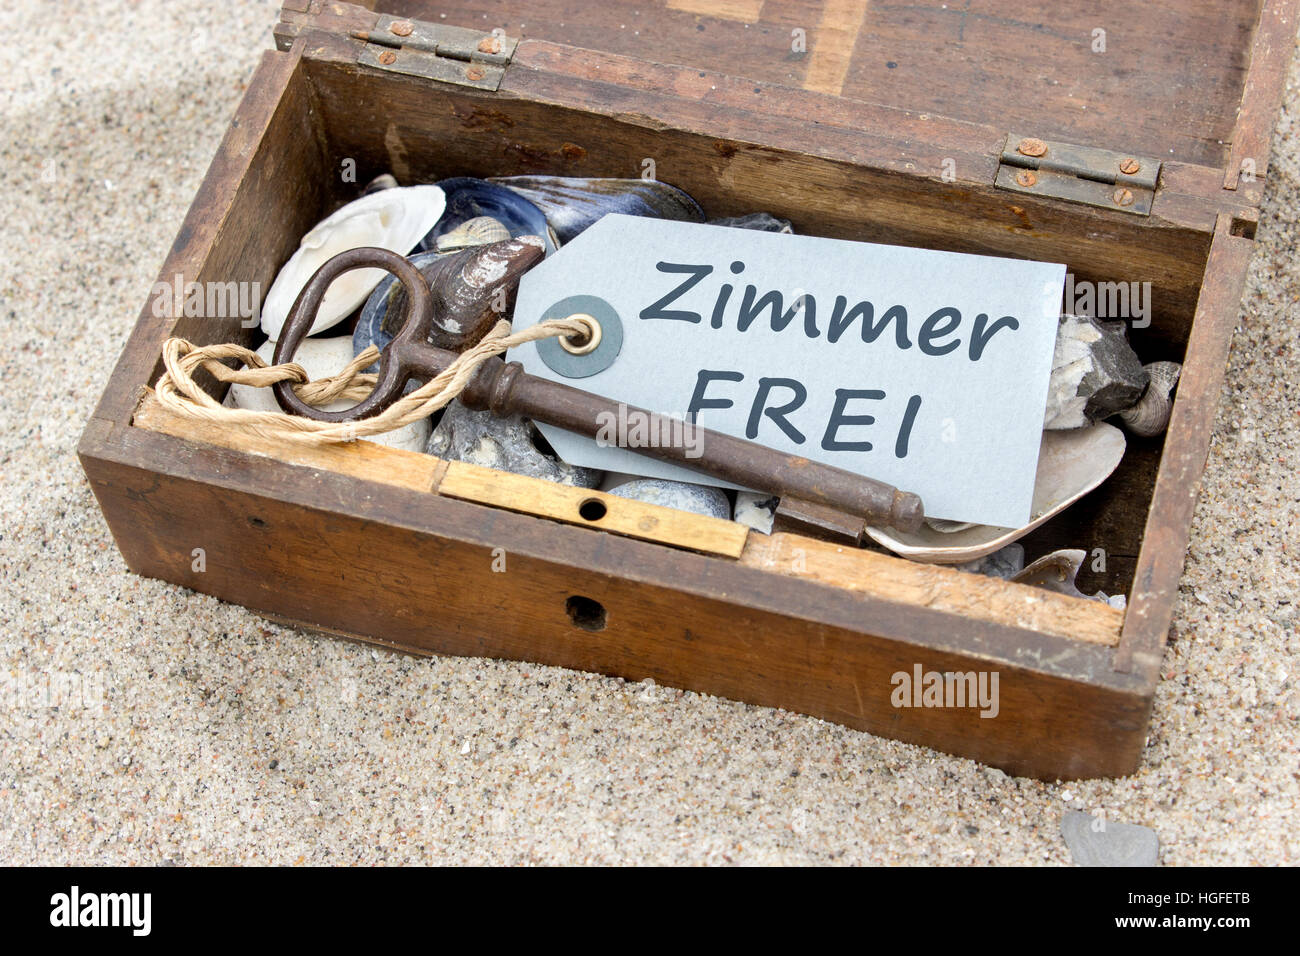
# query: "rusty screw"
{"type": "Point", "coordinates": [1129, 166]}
{"type": "Point", "coordinates": [387, 57]}
{"type": "Point", "coordinates": [1123, 197]}
{"type": "Point", "coordinates": [490, 44]}
{"type": "Point", "coordinates": [475, 73]}
{"type": "Point", "coordinates": [401, 28]}
{"type": "Point", "coordinates": [1026, 178]}
{"type": "Point", "coordinates": [1032, 147]}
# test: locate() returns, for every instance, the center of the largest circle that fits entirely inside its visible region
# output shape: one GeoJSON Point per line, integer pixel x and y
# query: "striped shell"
{"type": "Point", "coordinates": [1150, 415]}
{"type": "Point", "coordinates": [479, 231]}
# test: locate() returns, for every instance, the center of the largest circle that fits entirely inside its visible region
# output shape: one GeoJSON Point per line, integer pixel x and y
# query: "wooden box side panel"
{"type": "Point", "coordinates": [687, 622]}
{"type": "Point", "coordinates": [1187, 445]}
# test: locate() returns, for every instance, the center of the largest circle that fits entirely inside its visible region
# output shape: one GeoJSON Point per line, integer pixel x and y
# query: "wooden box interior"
{"type": "Point", "coordinates": [444, 132]}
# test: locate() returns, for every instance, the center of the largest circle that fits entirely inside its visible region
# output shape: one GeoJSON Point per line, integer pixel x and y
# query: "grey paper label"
{"type": "Point", "coordinates": [924, 369]}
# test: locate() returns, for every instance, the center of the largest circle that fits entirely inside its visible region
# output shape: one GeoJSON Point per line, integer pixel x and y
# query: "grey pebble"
{"type": "Point", "coordinates": [1003, 563]}
{"type": "Point", "coordinates": [684, 496]}
{"type": "Point", "coordinates": [1097, 842]}
{"type": "Point", "coordinates": [510, 444]}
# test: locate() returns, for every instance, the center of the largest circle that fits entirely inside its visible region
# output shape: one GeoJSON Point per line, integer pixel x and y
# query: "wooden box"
{"type": "Point", "coordinates": [893, 123]}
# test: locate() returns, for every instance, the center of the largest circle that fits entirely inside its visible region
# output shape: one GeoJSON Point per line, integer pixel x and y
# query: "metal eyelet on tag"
{"type": "Point", "coordinates": [583, 358]}
{"type": "Point", "coordinates": [590, 343]}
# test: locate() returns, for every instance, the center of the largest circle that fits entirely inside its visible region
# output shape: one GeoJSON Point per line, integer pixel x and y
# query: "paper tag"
{"type": "Point", "coordinates": [927, 370]}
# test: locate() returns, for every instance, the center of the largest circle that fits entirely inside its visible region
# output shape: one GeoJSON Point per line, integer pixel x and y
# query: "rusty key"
{"type": "Point", "coordinates": [503, 388]}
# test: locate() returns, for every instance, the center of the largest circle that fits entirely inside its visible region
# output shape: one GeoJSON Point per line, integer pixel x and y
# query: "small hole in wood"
{"type": "Point", "coordinates": [1243, 228]}
{"type": "Point", "coordinates": [257, 522]}
{"type": "Point", "coordinates": [593, 509]}
{"type": "Point", "coordinates": [585, 613]}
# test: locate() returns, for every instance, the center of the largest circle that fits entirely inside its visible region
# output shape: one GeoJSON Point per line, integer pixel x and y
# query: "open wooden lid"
{"type": "Point", "coordinates": [1163, 78]}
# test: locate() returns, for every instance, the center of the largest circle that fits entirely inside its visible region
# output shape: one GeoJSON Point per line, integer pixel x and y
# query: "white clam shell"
{"type": "Point", "coordinates": [322, 358]}
{"type": "Point", "coordinates": [1070, 464]}
{"type": "Point", "coordinates": [393, 219]}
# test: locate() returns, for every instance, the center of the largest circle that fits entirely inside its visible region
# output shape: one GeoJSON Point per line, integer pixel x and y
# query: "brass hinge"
{"type": "Point", "coordinates": [436, 51]}
{"type": "Point", "coordinates": [1099, 177]}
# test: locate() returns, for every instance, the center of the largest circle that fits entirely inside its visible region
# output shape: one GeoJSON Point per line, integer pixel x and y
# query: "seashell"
{"type": "Point", "coordinates": [382, 181]}
{"type": "Point", "coordinates": [320, 358]}
{"type": "Point", "coordinates": [1071, 463]}
{"type": "Point", "coordinates": [1150, 416]}
{"type": "Point", "coordinates": [1095, 373]}
{"type": "Point", "coordinates": [466, 294]}
{"type": "Point", "coordinates": [756, 509]}
{"type": "Point", "coordinates": [478, 231]}
{"type": "Point", "coordinates": [1054, 572]}
{"type": "Point", "coordinates": [469, 198]}
{"type": "Point", "coordinates": [393, 219]}
{"type": "Point", "coordinates": [1057, 571]}
{"type": "Point", "coordinates": [384, 311]}
{"type": "Point", "coordinates": [761, 221]}
{"type": "Point", "coordinates": [571, 204]}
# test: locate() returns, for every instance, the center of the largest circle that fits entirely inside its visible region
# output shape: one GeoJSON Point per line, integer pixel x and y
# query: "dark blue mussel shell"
{"type": "Point", "coordinates": [469, 198]}
{"type": "Point", "coordinates": [381, 316]}
{"type": "Point", "coordinates": [572, 204]}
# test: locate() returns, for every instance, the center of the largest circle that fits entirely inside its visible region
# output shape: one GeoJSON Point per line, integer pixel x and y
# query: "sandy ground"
{"type": "Point", "coordinates": [224, 739]}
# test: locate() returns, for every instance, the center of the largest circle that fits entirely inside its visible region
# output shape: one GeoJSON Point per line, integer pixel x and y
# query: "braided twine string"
{"type": "Point", "coordinates": [177, 391]}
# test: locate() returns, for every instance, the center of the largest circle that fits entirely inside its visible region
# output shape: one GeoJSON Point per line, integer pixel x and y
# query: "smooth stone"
{"type": "Point", "coordinates": [572, 204]}
{"type": "Point", "coordinates": [1095, 373]}
{"type": "Point", "coordinates": [509, 443]}
{"type": "Point", "coordinates": [761, 221]}
{"type": "Point", "coordinates": [322, 358]}
{"type": "Point", "coordinates": [1004, 563]}
{"type": "Point", "coordinates": [684, 496]}
{"type": "Point", "coordinates": [393, 219]}
{"type": "Point", "coordinates": [1095, 842]}
{"type": "Point", "coordinates": [469, 198]}
{"type": "Point", "coordinates": [756, 509]}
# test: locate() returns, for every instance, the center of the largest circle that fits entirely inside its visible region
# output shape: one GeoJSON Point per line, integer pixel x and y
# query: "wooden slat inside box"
{"type": "Point", "coordinates": [784, 621]}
